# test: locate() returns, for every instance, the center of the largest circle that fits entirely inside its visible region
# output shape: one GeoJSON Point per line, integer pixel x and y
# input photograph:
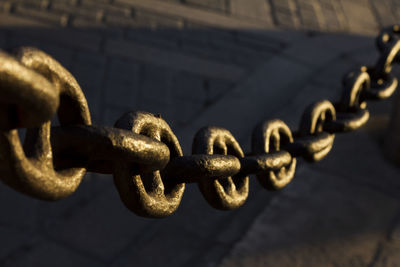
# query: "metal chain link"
{"type": "Point", "coordinates": [141, 151]}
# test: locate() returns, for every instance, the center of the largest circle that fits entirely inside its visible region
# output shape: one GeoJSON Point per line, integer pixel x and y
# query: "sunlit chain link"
{"type": "Point", "coordinates": [142, 152]}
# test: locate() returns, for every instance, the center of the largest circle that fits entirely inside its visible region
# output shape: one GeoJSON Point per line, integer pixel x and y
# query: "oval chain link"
{"type": "Point", "coordinates": [311, 141]}
{"type": "Point", "coordinates": [148, 194]}
{"type": "Point", "coordinates": [225, 192]}
{"type": "Point", "coordinates": [274, 167]}
{"type": "Point", "coordinates": [27, 98]}
{"type": "Point", "coordinates": [30, 169]}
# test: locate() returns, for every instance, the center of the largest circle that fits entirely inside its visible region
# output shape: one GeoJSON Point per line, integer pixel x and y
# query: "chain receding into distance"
{"type": "Point", "coordinates": [142, 152]}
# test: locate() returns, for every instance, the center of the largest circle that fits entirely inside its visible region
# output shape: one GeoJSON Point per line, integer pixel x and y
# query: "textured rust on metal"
{"type": "Point", "coordinates": [274, 167]}
{"type": "Point", "coordinates": [351, 109]}
{"type": "Point", "coordinates": [225, 192]}
{"type": "Point", "coordinates": [190, 169]}
{"type": "Point", "coordinates": [311, 141]}
{"type": "Point", "coordinates": [30, 169]}
{"type": "Point", "coordinates": [27, 98]}
{"type": "Point", "coordinates": [148, 194]}
{"type": "Point", "coordinates": [98, 147]}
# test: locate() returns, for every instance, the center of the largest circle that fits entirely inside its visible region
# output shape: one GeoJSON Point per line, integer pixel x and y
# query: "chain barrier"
{"type": "Point", "coordinates": [142, 152]}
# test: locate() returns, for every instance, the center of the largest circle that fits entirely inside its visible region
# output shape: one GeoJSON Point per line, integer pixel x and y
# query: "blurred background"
{"type": "Point", "coordinates": [228, 63]}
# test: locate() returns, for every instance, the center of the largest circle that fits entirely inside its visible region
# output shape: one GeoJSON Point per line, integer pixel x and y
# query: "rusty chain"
{"type": "Point", "coordinates": [142, 152]}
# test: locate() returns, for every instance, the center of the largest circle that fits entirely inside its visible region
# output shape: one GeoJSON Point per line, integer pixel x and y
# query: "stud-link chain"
{"type": "Point", "coordinates": [141, 151]}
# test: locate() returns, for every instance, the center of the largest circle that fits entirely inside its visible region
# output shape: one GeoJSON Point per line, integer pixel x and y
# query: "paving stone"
{"type": "Point", "coordinates": [206, 51]}
{"type": "Point", "coordinates": [157, 20]}
{"type": "Point", "coordinates": [61, 54]}
{"type": "Point", "coordinates": [89, 70]}
{"type": "Point", "coordinates": [216, 89]}
{"type": "Point", "coordinates": [57, 19]}
{"type": "Point", "coordinates": [309, 14]}
{"type": "Point", "coordinates": [120, 22]}
{"type": "Point", "coordinates": [185, 111]}
{"type": "Point", "coordinates": [366, 56]}
{"type": "Point", "coordinates": [68, 38]}
{"type": "Point", "coordinates": [216, 5]}
{"type": "Point", "coordinates": [322, 49]}
{"type": "Point", "coordinates": [334, 225]}
{"type": "Point", "coordinates": [3, 39]}
{"type": "Point", "coordinates": [383, 10]}
{"type": "Point", "coordinates": [21, 210]}
{"type": "Point", "coordinates": [364, 166]}
{"type": "Point", "coordinates": [194, 14]}
{"type": "Point", "coordinates": [50, 254]}
{"type": "Point", "coordinates": [100, 229]}
{"type": "Point", "coordinates": [186, 86]}
{"type": "Point", "coordinates": [122, 83]}
{"type": "Point", "coordinates": [112, 114]}
{"type": "Point", "coordinates": [360, 17]}
{"type": "Point", "coordinates": [5, 6]}
{"type": "Point", "coordinates": [8, 21]}
{"type": "Point", "coordinates": [258, 41]}
{"type": "Point", "coordinates": [17, 40]}
{"type": "Point", "coordinates": [291, 112]}
{"type": "Point", "coordinates": [287, 76]}
{"type": "Point", "coordinates": [150, 253]}
{"type": "Point", "coordinates": [284, 13]}
{"type": "Point", "coordinates": [332, 76]}
{"type": "Point", "coordinates": [181, 61]}
{"type": "Point", "coordinates": [94, 27]}
{"type": "Point", "coordinates": [155, 37]}
{"type": "Point", "coordinates": [205, 33]}
{"type": "Point", "coordinates": [258, 9]}
{"type": "Point", "coordinates": [157, 106]}
{"type": "Point", "coordinates": [93, 12]}
{"type": "Point", "coordinates": [107, 7]}
{"type": "Point", "coordinates": [388, 255]}
{"type": "Point", "coordinates": [13, 238]}
{"type": "Point", "coordinates": [242, 55]}
{"type": "Point", "coordinates": [155, 83]}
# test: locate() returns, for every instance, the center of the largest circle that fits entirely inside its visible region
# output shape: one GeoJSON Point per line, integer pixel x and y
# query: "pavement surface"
{"type": "Point", "coordinates": [230, 63]}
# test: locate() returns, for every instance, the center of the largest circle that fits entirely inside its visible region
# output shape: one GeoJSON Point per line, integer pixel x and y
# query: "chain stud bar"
{"type": "Point", "coordinates": [97, 148]}
{"type": "Point", "coordinates": [189, 169]}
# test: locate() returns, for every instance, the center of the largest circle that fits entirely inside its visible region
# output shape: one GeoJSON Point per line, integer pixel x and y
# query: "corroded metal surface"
{"type": "Point", "coordinates": [144, 155]}
{"type": "Point", "coordinates": [30, 169]}
{"type": "Point", "coordinates": [148, 194]}
{"type": "Point", "coordinates": [27, 98]}
{"type": "Point", "coordinates": [226, 192]}
{"type": "Point", "coordinates": [189, 169]}
{"type": "Point", "coordinates": [92, 147]}
{"type": "Point", "coordinates": [277, 171]}
{"type": "Point", "coordinates": [311, 141]}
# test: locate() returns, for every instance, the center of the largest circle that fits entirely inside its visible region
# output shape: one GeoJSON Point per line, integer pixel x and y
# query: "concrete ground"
{"type": "Point", "coordinates": [226, 63]}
